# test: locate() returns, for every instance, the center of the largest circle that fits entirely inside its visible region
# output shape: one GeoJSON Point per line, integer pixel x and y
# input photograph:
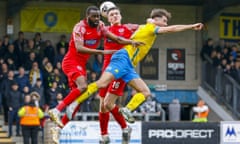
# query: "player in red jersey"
{"type": "Point", "coordinates": [109, 95]}
{"type": "Point", "coordinates": [85, 39]}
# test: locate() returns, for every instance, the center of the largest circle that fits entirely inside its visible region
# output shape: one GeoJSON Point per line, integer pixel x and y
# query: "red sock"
{"type": "Point", "coordinates": [104, 119]}
{"type": "Point", "coordinates": [118, 117]}
{"type": "Point", "coordinates": [69, 99]}
{"type": "Point", "coordinates": [65, 119]}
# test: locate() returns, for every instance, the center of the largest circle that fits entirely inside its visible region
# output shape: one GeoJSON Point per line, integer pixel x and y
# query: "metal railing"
{"type": "Point", "coordinates": [85, 116]}
{"type": "Point", "coordinates": [225, 89]}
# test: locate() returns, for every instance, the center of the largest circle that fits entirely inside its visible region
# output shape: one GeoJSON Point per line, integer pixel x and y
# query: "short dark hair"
{"type": "Point", "coordinates": [112, 8]}
{"type": "Point", "coordinates": [159, 12]}
{"type": "Point", "coordinates": [91, 8]}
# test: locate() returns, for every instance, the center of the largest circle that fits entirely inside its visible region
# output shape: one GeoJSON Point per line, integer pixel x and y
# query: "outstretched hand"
{"type": "Point", "coordinates": [197, 26]}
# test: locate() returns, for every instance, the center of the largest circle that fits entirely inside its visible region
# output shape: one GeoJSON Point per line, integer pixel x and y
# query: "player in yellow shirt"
{"type": "Point", "coordinates": [125, 60]}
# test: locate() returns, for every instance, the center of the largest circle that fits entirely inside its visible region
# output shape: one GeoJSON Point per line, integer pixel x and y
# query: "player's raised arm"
{"type": "Point", "coordinates": [160, 18]}
{"type": "Point", "coordinates": [122, 40]}
{"type": "Point", "coordinates": [178, 28]}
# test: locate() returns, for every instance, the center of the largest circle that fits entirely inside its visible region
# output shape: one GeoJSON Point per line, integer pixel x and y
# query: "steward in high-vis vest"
{"type": "Point", "coordinates": [201, 112]}
{"type": "Point", "coordinates": [30, 116]}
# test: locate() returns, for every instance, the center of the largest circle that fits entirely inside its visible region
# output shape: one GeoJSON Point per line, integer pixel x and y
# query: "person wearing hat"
{"type": "Point", "coordinates": [30, 116]}
{"type": "Point", "coordinates": [35, 97]}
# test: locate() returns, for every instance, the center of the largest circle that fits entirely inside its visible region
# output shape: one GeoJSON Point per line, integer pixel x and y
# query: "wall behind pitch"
{"type": "Point", "coordinates": [2, 18]}
{"type": "Point", "coordinates": [133, 13]}
{"type": "Point", "coordinates": [213, 24]}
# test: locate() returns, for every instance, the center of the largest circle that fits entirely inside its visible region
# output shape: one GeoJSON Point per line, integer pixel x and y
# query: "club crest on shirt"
{"type": "Point", "coordinates": [121, 30]}
{"type": "Point", "coordinates": [79, 68]}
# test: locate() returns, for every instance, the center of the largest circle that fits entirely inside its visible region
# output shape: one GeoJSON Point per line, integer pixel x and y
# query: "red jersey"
{"type": "Point", "coordinates": [90, 37]}
{"type": "Point", "coordinates": [123, 30]}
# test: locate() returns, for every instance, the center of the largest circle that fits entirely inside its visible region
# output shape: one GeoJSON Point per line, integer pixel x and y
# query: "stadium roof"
{"type": "Point", "coordinates": [210, 7]}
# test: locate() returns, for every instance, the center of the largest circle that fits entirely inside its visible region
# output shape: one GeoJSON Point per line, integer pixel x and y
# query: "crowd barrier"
{"type": "Point", "coordinates": [87, 132]}
{"type": "Point", "coordinates": [85, 116]}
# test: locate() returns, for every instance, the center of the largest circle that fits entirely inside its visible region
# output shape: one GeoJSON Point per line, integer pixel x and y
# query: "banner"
{"type": "Point", "coordinates": [230, 26]}
{"type": "Point", "coordinates": [175, 64]}
{"type": "Point", "coordinates": [86, 132]}
{"type": "Point", "coordinates": [180, 133]}
{"type": "Point", "coordinates": [230, 132]}
{"type": "Point", "coordinates": [49, 19]}
{"type": "Point", "coordinates": [149, 65]}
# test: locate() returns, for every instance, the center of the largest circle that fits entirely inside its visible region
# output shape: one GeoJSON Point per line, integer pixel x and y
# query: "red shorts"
{"type": "Point", "coordinates": [73, 71]}
{"type": "Point", "coordinates": [115, 87]}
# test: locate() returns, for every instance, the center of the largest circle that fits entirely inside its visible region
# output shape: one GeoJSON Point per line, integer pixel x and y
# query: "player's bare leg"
{"type": "Point", "coordinates": [142, 93]}
{"type": "Point", "coordinates": [109, 102]}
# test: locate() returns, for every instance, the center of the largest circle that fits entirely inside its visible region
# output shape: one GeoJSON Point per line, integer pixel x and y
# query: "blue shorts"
{"type": "Point", "coordinates": [121, 66]}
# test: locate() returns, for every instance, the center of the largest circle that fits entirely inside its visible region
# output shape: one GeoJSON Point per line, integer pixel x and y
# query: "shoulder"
{"type": "Point", "coordinates": [131, 26]}
{"type": "Point", "coordinates": [80, 27]}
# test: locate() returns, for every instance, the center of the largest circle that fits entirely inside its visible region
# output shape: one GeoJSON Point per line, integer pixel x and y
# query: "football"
{"type": "Point", "coordinates": [105, 6]}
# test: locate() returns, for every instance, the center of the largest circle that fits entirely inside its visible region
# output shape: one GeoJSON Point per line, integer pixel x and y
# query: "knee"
{"type": "Point", "coordinates": [102, 106]}
{"type": "Point", "coordinates": [146, 93]}
{"type": "Point", "coordinates": [108, 105]}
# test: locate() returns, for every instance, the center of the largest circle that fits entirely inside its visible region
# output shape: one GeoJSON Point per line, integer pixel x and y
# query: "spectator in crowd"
{"type": "Point", "coordinates": [26, 90]}
{"type": "Point", "coordinates": [216, 58]}
{"type": "Point", "coordinates": [5, 88]}
{"type": "Point", "coordinates": [55, 101]}
{"type": "Point", "coordinates": [201, 112]}
{"type": "Point", "coordinates": [49, 51]}
{"type": "Point", "coordinates": [220, 45]}
{"type": "Point", "coordinates": [35, 98]}
{"type": "Point", "coordinates": [11, 64]}
{"type": "Point", "coordinates": [234, 52]}
{"type": "Point", "coordinates": [48, 75]}
{"type": "Point", "coordinates": [31, 58]}
{"type": "Point", "coordinates": [237, 72]}
{"type": "Point", "coordinates": [30, 116]}
{"type": "Point", "coordinates": [1, 48]}
{"type": "Point", "coordinates": [34, 74]}
{"type": "Point", "coordinates": [52, 94]}
{"type": "Point", "coordinates": [43, 63]}
{"type": "Point", "coordinates": [5, 44]}
{"type": "Point", "coordinates": [59, 57]}
{"type": "Point", "coordinates": [40, 90]}
{"type": "Point", "coordinates": [22, 79]}
{"type": "Point", "coordinates": [14, 100]}
{"type": "Point", "coordinates": [39, 45]}
{"type": "Point", "coordinates": [174, 110]}
{"type": "Point", "coordinates": [10, 54]}
{"type": "Point", "coordinates": [225, 54]}
{"type": "Point", "coordinates": [63, 43]}
{"type": "Point", "coordinates": [223, 63]}
{"type": "Point", "coordinates": [62, 81]}
{"type": "Point", "coordinates": [3, 75]}
{"type": "Point", "coordinates": [229, 70]}
{"type": "Point", "coordinates": [151, 106]}
{"type": "Point", "coordinates": [20, 44]}
{"type": "Point", "coordinates": [207, 48]}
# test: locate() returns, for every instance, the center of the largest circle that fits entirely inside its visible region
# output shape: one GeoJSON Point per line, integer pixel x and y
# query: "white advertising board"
{"type": "Point", "coordinates": [88, 132]}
